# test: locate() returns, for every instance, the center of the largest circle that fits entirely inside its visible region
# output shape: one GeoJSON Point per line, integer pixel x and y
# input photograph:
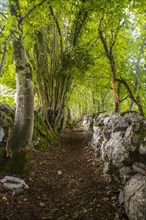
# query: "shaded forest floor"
{"type": "Point", "coordinates": [65, 183]}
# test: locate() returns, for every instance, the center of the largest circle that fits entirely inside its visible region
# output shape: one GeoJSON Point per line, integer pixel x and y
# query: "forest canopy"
{"type": "Point", "coordinates": [86, 56]}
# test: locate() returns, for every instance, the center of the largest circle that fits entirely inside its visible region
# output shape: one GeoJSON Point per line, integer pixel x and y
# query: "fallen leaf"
{"type": "Point", "coordinates": [4, 198]}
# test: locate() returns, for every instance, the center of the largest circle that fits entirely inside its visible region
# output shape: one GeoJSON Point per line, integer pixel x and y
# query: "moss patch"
{"type": "Point", "coordinates": [42, 136]}
{"type": "Point", "coordinates": [115, 180]}
{"type": "Point", "coordinates": [17, 164]}
{"type": "Point", "coordinates": [2, 155]}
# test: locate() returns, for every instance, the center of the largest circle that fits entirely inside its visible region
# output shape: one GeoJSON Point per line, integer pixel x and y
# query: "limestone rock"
{"type": "Point", "coordinates": [87, 122]}
{"type": "Point", "coordinates": [12, 182]}
{"type": "Point", "coordinates": [135, 197]}
{"type": "Point", "coordinates": [120, 141]}
{"type": "Point", "coordinates": [2, 134]}
{"type": "Point", "coordinates": [114, 149]}
{"type": "Point", "coordinates": [88, 127]}
{"type": "Point", "coordinates": [6, 121]}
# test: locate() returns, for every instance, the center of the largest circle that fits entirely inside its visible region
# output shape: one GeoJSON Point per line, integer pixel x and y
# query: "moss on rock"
{"type": "Point", "coordinates": [17, 164]}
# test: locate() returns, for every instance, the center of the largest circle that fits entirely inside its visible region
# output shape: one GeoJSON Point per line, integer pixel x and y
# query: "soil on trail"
{"type": "Point", "coordinates": [65, 183]}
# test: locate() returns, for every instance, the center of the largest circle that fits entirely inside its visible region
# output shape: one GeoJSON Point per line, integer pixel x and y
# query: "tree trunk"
{"type": "Point", "coordinates": [136, 84]}
{"type": "Point", "coordinates": [21, 136]}
{"type": "Point", "coordinates": [110, 56]}
{"type": "Point", "coordinates": [115, 94]}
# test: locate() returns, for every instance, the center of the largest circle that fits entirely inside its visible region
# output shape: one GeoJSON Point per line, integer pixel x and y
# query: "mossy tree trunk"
{"type": "Point", "coordinates": [21, 135]}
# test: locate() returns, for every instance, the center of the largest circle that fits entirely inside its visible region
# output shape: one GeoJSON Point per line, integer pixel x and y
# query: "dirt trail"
{"type": "Point", "coordinates": [65, 184]}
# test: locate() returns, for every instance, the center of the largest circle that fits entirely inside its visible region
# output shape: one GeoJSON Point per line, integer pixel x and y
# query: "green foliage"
{"type": "Point", "coordinates": [7, 95]}
{"type": "Point", "coordinates": [84, 65]}
{"type": "Point", "coordinates": [7, 100]}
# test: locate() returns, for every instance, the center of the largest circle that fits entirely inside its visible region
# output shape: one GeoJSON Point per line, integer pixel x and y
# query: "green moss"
{"type": "Point", "coordinates": [115, 180]}
{"type": "Point", "coordinates": [137, 157]}
{"type": "Point", "coordinates": [2, 154]}
{"type": "Point", "coordinates": [17, 164]}
{"type": "Point", "coordinates": [134, 156]}
{"type": "Point", "coordinates": [101, 163]}
{"type": "Point", "coordinates": [43, 137]}
{"type": "Point", "coordinates": [142, 133]}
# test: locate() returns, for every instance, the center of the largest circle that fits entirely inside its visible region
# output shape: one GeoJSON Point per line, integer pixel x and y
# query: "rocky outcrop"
{"type": "Point", "coordinates": [120, 141]}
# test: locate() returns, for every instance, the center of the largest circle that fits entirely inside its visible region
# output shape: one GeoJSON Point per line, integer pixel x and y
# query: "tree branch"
{"type": "Point", "coordinates": [1, 31]}
{"type": "Point", "coordinates": [116, 33]}
{"type": "Point", "coordinates": [3, 15]}
{"type": "Point", "coordinates": [124, 98]}
{"type": "Point", "coordinates": [78, 24]}
{"type": "Point", "coordinates": [4, 54]}
{"type": "Point", "coordinates": [3, 60]}
{"type": "Point", "coordinates": [30, 11]}
{"type": "Point", "coordinates": [58, 27]}
{"type": "Point", "coordinates": [136, 101]}
{"type": "Point", "coordinates": [121, 80]}
{"type": "Point", "coordinates": [102, 38]}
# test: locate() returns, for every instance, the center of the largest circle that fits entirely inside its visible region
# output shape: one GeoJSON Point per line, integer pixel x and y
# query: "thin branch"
{"type": "Point", "coordinates": [90, 41]}
{"type": "Point", "coordinates": [124, 98]}
{"type": "Point", "coordinates": [79, 22]}
{"type": "Point", "coordinates": [4, 54]}
{"type": "Point", "coordinates": [30, 11]}
{"type": "Point", "coordinates": [3, 60]}
{"type": "Point", "coordinates": [136, 101]}
{"type": "Point", "coordinates": [3, 15]}
{"type": "Point", "coordinates": [121, 80]}
{"type": "Point", "coordinates": [116, 33]}
{"type": "Point", "coordinates": [1, 31]}
{"type": "Point", "coordinates": [56, 21]}
{"type": "Point", "coordinates": [58, 27]}
{"type": "Point", "coordinates": [97, 77]}
{"type": "Point", "coordinates": [102, 38]}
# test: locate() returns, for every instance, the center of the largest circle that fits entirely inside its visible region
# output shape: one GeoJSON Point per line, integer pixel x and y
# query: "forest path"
{"type": "Point", "coordinates": [65, 184]}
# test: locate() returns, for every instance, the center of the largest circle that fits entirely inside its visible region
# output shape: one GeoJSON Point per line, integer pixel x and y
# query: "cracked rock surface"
{"type": "Point", "coordinates": [135, 197]}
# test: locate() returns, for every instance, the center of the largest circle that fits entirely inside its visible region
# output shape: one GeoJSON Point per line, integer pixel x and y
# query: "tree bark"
{"type": "Point", "coordinates": [136, 83]}
{"type": "Point", "coordinates": [21, 135]}
{"type": "Point", "coordinates": [110, 56]}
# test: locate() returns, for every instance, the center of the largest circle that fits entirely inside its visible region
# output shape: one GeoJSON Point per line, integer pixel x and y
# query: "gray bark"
{"type": "Point", "coordinates": [21, 135]}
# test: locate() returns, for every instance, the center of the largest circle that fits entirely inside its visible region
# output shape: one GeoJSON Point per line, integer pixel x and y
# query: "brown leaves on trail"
{"type": "Point", "coordinates": [65, 183]}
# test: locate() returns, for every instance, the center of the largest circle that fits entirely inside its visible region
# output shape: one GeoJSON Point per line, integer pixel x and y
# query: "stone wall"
{"type": "Point", "coordinates": [6, 122]}
{"type": "Point", "coordinates": [120, 141]}
{"type": "Point", "coordinates": [88, 127]}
